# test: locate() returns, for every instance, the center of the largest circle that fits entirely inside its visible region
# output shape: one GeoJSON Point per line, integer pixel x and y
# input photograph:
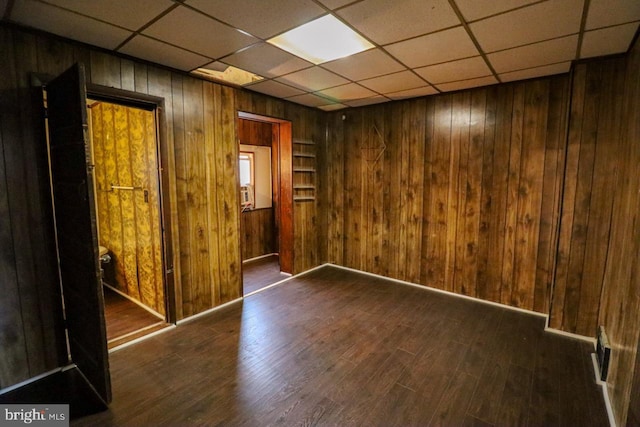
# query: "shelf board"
{"type": "Point", "coordinates": [304, 187]}
{"type": "Point", "coordinates": [303, 198]}
{"type": "Point", "coordinates": [303, 142]}
{"type": "Point", "coordinates": [310, 156]}
{"type": "Point", "coordinates": [304, 170]}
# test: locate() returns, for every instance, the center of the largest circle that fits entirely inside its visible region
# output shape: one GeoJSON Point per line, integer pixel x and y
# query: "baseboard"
{"type": "Point", "coordinates": [142, 338]}
{"type": "Point", "coordinates": [207, 312]}
{"type": "Point", "coordinates": [260, 257]}
{"type": "Point", "coordinates": [605, 391]}
{"type": "Point", "coordinates": [291, 277]}
{"type": "Point", "coordinates": [441, 291]}
{"type": "Point", "coordinates": [30, 380]}
{"type": "Point", "coordinates": [571, 335]}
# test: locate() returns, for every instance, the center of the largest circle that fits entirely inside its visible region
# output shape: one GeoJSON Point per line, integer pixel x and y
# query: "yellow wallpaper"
{"type": "Point", "coordinates": [124, 147]}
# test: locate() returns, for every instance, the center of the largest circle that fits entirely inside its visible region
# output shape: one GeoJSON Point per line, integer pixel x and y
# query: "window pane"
{"type": "Point", "coordinates": [245, 170]}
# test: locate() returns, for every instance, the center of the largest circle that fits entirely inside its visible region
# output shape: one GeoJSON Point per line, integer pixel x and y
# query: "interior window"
{"type": "Point", "coordinates": [247, 178]}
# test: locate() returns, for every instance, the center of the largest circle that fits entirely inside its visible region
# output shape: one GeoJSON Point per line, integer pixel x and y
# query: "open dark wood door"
{"type": "Point", "coordinates": [75, 217]}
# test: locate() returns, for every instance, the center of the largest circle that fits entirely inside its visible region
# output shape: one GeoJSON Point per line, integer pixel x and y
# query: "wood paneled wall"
{"type": "Point", "coordinates": [31, 336]}
{"type": "Point", "coordinates": [125, 155]}
{"type": "Point", "coordinates": [257, 228]}
{"type": "Point", "coordinates": [593, 155]}
{"type": "Point", "coordinates": [457, 191]}
{"type": "Point", "coordinates": [202, 146]}
{"type": "Point", "coordinates": [620, 304]}
{"type": "Point", "coordinates": [252, 132]}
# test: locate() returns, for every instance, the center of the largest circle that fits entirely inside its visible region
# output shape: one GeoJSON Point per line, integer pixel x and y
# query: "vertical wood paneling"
{"type": "Point", "coordinates": [483, 286]}
{"type": "Point", "coordinates": [30, 312]}
{"type": "Point", "coordinates": [530, 192]}
{"type": "Point", "coordinates": [334, 182]}
{"type": "Point", "coordinates": [462, 185]}
{"type": "Point", "coordinates": [499, 194]}
{"type": "Point", "coordinates": [231, 289]}
{"type": "Point", "coordinates": [513, 182]}
{"type": "Point", "coordinates": [592, 156]}
{"type": "Point", "coordinates": [215, 239]}
{"type": "Point", "coordinates": [620, 302]}
{"type": "Point", "coordinates": [257, 233]}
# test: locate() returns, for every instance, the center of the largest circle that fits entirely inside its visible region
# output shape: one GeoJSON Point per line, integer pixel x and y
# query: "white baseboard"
{"type": "Point", "coordinates": [441, 291]}
{"type": "Point", "coordinates": [571, 335]}
{"type": "Point", "coordinates": [30, 380]}
{"type": "Point", "coordinates": [291, 277]}
{"type": "Point", "coordinates": [259, 257]}
{"type": "Point", "coordinates": [142, 338]}
{"type": "Point", "coordinates": [209, 311]}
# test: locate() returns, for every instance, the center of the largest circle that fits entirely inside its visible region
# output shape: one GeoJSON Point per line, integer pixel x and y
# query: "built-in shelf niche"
{"type": "Point", "coordinates": [304, 170]}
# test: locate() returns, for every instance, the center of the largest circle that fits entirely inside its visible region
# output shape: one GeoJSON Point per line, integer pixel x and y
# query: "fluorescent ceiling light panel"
{"type": "Point", "coordinates": [321, 40]}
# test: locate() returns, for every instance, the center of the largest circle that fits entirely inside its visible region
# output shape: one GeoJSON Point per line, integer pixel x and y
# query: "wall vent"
{"type": "Point", "coordinates": [603, 352]}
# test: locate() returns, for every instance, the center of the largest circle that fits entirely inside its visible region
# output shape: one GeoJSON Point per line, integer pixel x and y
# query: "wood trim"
{"type": "Point", "coordinates": [286, 231]}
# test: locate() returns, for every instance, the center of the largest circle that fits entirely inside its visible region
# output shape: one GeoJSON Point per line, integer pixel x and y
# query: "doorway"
{"type": "Point", "coordinates": [266, 218]}
{"type": "Point", "coordinates": [124, 152]}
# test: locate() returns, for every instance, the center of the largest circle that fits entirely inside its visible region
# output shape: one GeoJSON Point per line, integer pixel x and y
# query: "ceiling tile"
{"type": "Point", "coordinates": [606, 41]}
{"type": "Point", "coordinates": [347, 92]}
{"type": "Point", "coordinates": [262, 19]}
{"type": "Point", "coordinates": [367, 101]}
{"type": "Point", "coordinates": [385, 21]}
{"type": "Point", "coordinates": [267, 60]}
{"type": "Point", "coordinates": [547, 70]}
{"type": "Point", "coordinates": [412, 93]}
{"type": "Point", "coordinates": [434, 48]}
{"type": "Point", "coordinates": [276, 89]}
{"type": "Point", "coordinates": [205, 36]}
{"type": "Point", "coordinates": [403, 80]}
{"type": "Point", "coordinates": [313, 79]}
{"type": "Point", "coordinates": [310, 100]}
{"type": "Point", "coordinates": [543, 53]}
{"type": "Point", "coordinates": [542, 21]}
{"type": "Point", "coordinates": [332, 107]}
{"type": "Point", "coordinates": [455, 70]}
{"type": "Point", "coordinates": [467, 84]}
{"type": "Point", "coordinates": [126, 13]}
{"type": "Point", "coordinates": [162, 53]}
{"type": "Point", "coordinates": [474, 9]}
{"type": "Point", "coordinates": [68, 24]}
{"type": "Point", "coordinates": [371, 63]}
{"type": "Point", "coordinates": [604, 13]}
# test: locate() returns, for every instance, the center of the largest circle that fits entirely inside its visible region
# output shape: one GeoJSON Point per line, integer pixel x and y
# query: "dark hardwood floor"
{"type": "Point", "coordinates": [126, 320]}
{"type": "Point", "coordinates": [260, 273]}
{"type": "Point", "coordinates": [335, 347]}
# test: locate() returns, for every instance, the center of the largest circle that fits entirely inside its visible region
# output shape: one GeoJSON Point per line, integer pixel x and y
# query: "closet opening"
{"type": "Point", "coordinates": [266, 205]}
{"type": "Point", "coordinates": [126, 172]}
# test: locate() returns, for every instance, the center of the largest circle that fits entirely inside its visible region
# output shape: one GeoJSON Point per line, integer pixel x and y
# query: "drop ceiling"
{"type": "Point", "coordinates": [421, 47]}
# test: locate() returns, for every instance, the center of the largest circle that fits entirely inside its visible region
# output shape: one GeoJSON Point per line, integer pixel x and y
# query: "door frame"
{"type": "Point", "coordinates": [167, 219]}
{"type": "Point", "coordinates": [282, 149]}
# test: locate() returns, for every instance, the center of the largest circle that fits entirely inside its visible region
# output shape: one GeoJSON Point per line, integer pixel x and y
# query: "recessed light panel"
{"type": "Point", "coordinates": [321, 40]}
